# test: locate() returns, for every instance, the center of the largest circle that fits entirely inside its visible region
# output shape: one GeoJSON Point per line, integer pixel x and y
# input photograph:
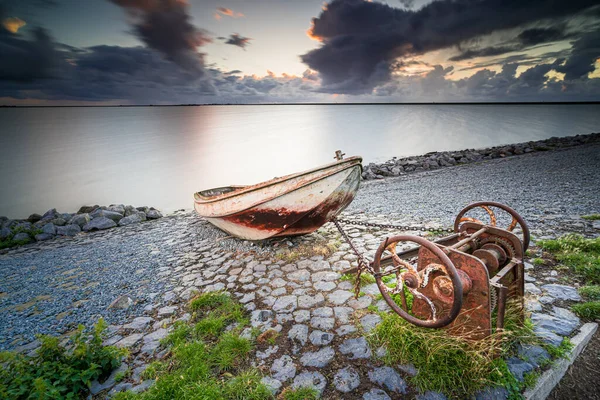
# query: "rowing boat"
{"type": "Point", "coordinates": [291, 205]}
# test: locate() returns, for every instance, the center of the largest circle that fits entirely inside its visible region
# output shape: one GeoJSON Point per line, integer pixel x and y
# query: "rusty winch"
{"type": "Point", "coordinates": [457, 281]}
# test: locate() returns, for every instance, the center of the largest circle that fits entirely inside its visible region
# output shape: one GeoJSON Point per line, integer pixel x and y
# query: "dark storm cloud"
{"type": "Point", "coordinates": [236, 39]}
{"type": "Point", "coordinates": [165, 26]}
{"type": "Point", "coordinates": [361, 39]}
{"type": "Point", "coordinates": [584, 54]}
{"type": "Point", "coordinates": [26, 60]}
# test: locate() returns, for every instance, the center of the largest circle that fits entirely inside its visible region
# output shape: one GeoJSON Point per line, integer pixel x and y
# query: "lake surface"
{"type": "Point", "coordinates": [160, 156]}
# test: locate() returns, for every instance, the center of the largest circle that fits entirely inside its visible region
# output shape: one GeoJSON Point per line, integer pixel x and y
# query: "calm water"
{"type": "Point", "coordinates": [159, 156]}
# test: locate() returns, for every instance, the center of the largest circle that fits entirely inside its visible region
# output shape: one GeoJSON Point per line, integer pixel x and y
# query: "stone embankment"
{"type": "Point", "coordinates": [436, 160]}
{"type": "Point", "coordinates": [88, 218]}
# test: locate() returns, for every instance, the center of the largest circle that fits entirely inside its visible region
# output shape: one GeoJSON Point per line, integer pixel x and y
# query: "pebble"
{"type": "Point", "coordinates": [356, 348]}
{"type": "Point", "coordinates": [388, 378]}
{"type": "Point", "coordinates": [283, 368]}
{"type": "Point", "coordinates": [310, 379]}
{"type": "Point", "coordinates": [376, 394]}
{"type": "Point", "coordinates": [561, 292]}
{"type": "Point", "coordinates": [346, 380]}
{"type": "Point", "coordinates": [319, 359]}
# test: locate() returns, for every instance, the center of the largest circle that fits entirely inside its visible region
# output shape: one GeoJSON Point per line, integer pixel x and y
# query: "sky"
{"type": "Point", "coordinates": [108, 52]}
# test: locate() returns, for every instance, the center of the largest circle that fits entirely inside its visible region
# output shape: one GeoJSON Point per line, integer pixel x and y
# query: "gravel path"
{"type": "Point", "coordinates": [52, 287]}
{"type": "Point", "coordinates": [547, 189]}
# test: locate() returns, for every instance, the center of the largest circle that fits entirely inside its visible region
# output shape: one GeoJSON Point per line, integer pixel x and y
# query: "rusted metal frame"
{"type": "Point", "coordinates": [503, 272]}
{"type": "Point", "coordinates": [502, 292]}
{"type": "Point", "coordinates": [387, 260]}
{"type": "Point", "coordinates": [468, 239]}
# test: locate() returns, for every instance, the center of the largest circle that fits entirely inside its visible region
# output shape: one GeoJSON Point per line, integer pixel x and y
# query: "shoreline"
{"type": "Point", "coordinates": [437, 160]}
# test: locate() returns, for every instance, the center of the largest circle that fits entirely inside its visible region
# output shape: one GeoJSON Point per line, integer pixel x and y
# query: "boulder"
{"type": "Point", "coordinates": [99, 223]}
{"type": "Point", "coordinates": [143, 209]}
{"type": "Point", "coordinates": [68, 230]}
{"type": "Point", "coordinates": [132, 219]}
{"type": "Point", "coordinates": [22, 237]}
{"type": "Point", "coordinates": [80, 219]}
{"type": "Point", "coordinates": [99, 213]}
{"type": "Point", "coordinates": [118, 208]}
{"type": "Point", "coordinates": [87, 209]}
{"type": "Point", "coordinates": [130, 210]}
{"type": "Point", "coordinates": [34, 218]}
{"type": "Point", "coordinates": [23, 225]}
{"type": "Point", "coordinates": [59, 221]}
{"type": "Point", "coordinates": [153, 214]}
{"type": "Point", "coordinates": [49, 228]}
{"type": "Point", "coordinates": [4, 233]}
{"type": "Point", "coordinates": [50, 215]}
{"type": "Point", "coordinates": [43, 236]}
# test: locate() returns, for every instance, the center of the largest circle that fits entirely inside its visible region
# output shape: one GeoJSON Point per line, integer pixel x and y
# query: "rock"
{"type": "Point", "coordinates": [534, 355]}
{"type": "Point", "coordinates": [531, 288]}
{"type": "Point", "coordinates": [283, 368]}
{"type": "Point", "coordinates": [121, 302]}
{"type": "Point", "coordinates": [325, 276]}
{"type": "Point", "coordinates": [87, 209]}
{"type": "Point", "coordinates": [142, 387]}
{"type": "Point", "coordinates": [129, 341]}
{"type": "Point", "coordinates": [299, 333]}
{"type": "Point", "coordinates": [322, 323]}
{"type": "Point", "coordinates": [260, 318]}
{"type": "Point", "coordinates": [356, 348]}
{"type": "Point", "coordinates": [339, 297]}
{"type": "Point", "coordinates": [319, 358]}
{"type": "Point", "coordinates": [34, 218]}
{"type": "Point", "coordinates": [4, 233]}
{"type": "Point", "coordinates": [323, 286]}
{"type": "Point", "coordinates": [68, 230]}
{"type": "Point", "coordinates": [345, 329]}
{"type": "Point", "coordinates": [99, 223]}
{"type": "Point", "coordinates": [50, 215]}
{"type": "Point", "coordinates": [80, 219]}
{"type": "Point", "coordinates": [49, 228]}
{"type": "Point", "coordinates": [167, 311]}
{"type": "Point", "coordinates": [346, 380]}
{"type": "Point", "coordinates": [22, 237]}
{"type": "Point", "coordinates": [299, 276]}
{"type": "Point", "coordinates": [120, 387]}
{"type": "Point", "coordinates": [43, 236]}
{"type": "Point", "coordinates": [139, 323]}
{"type": "Point", "coordinates": [99, 213]}
{"type": "Point", "coordinates": [285, 304]}
{"type": "Point", "coordinates": [370, 321]}
{"type": "Point", "coordinates": [156, 336]}
{"type": "Point", "coordinates": [562, 323]}
{"type": "Point", "coordinates": [492, 393]}
{"type": "Point", "coordinates": [518, 368]}
{"type": "Point", "coordinates": [96, 387]}
{"type": "Point", "coordinates": [272, 384]}
{"type": "Point", "coordinates": [301, 316]}
{"type": "Point", "coordinates": [310, 379]}
{"type": "Point", "coordinates": [310, 301]}
{"type": "Point", "coordinates": [562, 292]}
{"type": "Point", "coordinates": [388, 378]}
{"type": "Point", "coordinates": [153, 214]}
{"type": "Point", "coordinates": [132, 219]}
{"type": "Point", "coordinates": [118, 208]}
{"type": "Point", "coordinates": [376, 394]}
{"type": "Point", "coordinates": [320, 338]}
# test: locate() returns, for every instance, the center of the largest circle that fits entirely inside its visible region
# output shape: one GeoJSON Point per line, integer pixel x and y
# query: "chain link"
{"type": "Point", "coordinates": [391, 226]}
{"type": "Point", "coordinates": [363, 265]}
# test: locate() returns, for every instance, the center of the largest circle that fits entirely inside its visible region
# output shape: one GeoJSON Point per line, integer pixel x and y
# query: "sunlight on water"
{"type": "Point", "coordinates": [159, 156]}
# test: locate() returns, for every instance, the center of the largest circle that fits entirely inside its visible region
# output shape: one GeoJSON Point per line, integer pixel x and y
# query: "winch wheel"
{"type": "Point", "coordinates": [487, 206]}
{"type": "Point", "coordinates": [413, 280]}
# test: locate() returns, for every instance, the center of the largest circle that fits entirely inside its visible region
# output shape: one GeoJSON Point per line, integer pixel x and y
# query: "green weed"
{"type": "Point", "coordinates": [591, 217]}
{"type": "Point", "coordinates": [303, 393]}
{"type": "Point", "coordinates": [57, 372]}
{"type": "Point", "coordinates": [589, 310]}
{"type": "Point", "coordinates": [591, 292]}
{"type": "Point", "coordinates": [578, 253]}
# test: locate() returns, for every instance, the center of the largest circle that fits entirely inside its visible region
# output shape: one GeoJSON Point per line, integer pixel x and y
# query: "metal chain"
{"type": "Point", "coordinates": [363, 265]}
{"type": "Point", "coordinates": [391, 226]}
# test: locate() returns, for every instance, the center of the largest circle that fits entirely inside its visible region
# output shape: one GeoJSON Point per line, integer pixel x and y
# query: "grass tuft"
{"type": "Point", "coordinates": [365, 279]}
{"type": "Point", "coordinates": [591, 217]}
{"type": "Point", "coordinates": [589, 310]}
{"type": "Point", "coordinates": [206, 360]}
{"type": "Point", "coordinates": [591, 292]}
{"type": "Point", "coordinates": [302, 393]}
{"type": "Point", "coordinates": [578, 253]}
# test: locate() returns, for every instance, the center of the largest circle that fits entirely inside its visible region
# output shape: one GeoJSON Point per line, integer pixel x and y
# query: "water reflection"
{"type": "Point", "coordinates": [67, 157]}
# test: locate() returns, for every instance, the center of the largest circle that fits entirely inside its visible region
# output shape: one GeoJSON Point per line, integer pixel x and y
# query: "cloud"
{"type": "Point", "coordinates": [13, 24]}
{"type": "Point", "coordinates": [165, 26]}
{"type": "Point", "coordinates": [24, 60]}
{"type": "Point", "coordinates": [228, 12]}
{"type": "Point", "coordinates": [361, 40]}
{"type": "Point", "coordinates": [584, 53]}
{"type": "Point", "coordinates": [236, 39]}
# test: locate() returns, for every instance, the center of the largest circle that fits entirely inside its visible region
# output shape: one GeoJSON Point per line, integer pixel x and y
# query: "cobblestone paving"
{"type": "Point", "coordinates": [154, 268]}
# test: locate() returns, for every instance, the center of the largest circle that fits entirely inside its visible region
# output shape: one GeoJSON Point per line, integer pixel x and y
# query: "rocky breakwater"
{"type": "Point", "coordinates": [88, 218]}
{"type": "Point", "coordinates": [436, 160]}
